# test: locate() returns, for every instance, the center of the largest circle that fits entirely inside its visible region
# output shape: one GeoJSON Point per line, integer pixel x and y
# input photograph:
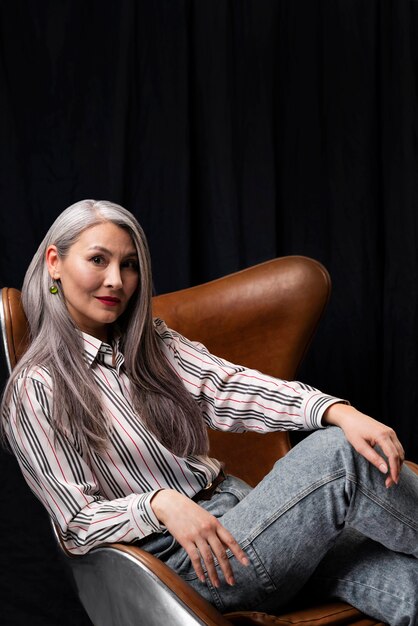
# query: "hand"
{"type": "Point", "coordinates": [200, 533]}
{"type": "Point", "coordinates": [364, 433]}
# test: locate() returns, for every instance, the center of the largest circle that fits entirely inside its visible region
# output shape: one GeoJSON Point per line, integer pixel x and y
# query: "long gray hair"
{"type": "Point", "coordinates": [160, 398]}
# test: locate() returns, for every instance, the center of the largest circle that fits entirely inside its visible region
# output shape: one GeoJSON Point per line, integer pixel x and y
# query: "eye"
{"type": "Point", "coordinates": [131, 264]}
{"type": "Point", "coordinates": [97, 260]}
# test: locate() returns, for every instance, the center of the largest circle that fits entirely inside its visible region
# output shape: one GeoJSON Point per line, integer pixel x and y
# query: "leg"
{"type": "Point", "coordinates": [289, 522]}
{"type": "Point", "coordinates": [367, 575]}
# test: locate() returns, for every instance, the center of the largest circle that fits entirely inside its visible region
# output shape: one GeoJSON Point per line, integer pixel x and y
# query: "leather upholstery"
{"type": "Point", "coordinates": [14, 325]}
{"type": "Point", "coordinates": [334, 614]}
{"type": "Point", "coordinates": [263, 317]}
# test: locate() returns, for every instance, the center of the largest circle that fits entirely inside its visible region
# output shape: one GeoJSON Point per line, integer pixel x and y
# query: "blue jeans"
{"type": "Point", "coordinates": [322, 521]}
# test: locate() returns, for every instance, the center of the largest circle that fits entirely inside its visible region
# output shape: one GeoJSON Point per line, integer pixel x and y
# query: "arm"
{"type": "Point", "coordinates": [238, 399]}
{"type": "Point", "coordinates": [61, 479]}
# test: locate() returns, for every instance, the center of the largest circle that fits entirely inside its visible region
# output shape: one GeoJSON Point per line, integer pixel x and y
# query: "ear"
{"type": "Point", "coordinates": [53, 262]}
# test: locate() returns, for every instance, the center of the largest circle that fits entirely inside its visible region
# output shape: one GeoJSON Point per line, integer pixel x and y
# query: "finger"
{"type": "Point", "coordinates": [400, 448]}
{"type": "Point", "coordinates": [394, 469]}
{"type": "Point", "coordinates": [219, 550]}
{"type": "Point", "coordinates": [391, 449]}
{"type": "Point", "coordinates": [401, 451]}
{"type": "Point", "coordinates": [230, 541]}
{"type": "Point", "coordinates": [206, 555]}
{"type": "Point", "coordinates": [389, 466]}
{"type": "Point", "coordinates": [388, 482]}
{"type": "Point", "coordinates": [373, 457]}
{"type": "Point", "coordinates": [394, 465]}
{"type": "Point", "coordinates": [194, 556]}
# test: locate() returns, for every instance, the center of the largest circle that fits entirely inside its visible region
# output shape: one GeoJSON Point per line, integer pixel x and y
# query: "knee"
{"type": "Point", "coordinates": [327, 446]}
{"type": "Point", "coordinates": [333, 445]}
{"type": "Point", "coordinates": [332, 439]}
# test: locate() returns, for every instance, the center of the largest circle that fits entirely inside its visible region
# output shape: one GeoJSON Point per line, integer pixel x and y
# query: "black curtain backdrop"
{"type": "Point", "coordinates": [236, 131]}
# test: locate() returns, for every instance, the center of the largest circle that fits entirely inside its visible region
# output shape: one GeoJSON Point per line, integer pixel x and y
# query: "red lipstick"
{"type": "Point", "coordinates": [108, 300]}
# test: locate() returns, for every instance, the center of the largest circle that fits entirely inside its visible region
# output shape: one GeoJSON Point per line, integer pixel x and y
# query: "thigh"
{"type": "Point", "coordinates": [283, 525]}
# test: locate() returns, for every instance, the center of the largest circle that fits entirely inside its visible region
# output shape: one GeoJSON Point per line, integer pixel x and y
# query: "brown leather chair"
{"type": "Point", "coordinates": [263, 317]}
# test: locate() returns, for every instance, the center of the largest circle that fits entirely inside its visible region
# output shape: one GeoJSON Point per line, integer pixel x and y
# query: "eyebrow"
{"type": "Point", "coordinates": [106, 251]}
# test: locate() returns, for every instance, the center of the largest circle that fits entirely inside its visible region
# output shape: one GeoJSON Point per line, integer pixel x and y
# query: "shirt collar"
{"type": "Point", "coordinates": [102, 352]}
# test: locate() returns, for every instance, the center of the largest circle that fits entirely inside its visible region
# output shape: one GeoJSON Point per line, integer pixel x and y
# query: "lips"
{"type": "Point", "coordinates": [108, 300]}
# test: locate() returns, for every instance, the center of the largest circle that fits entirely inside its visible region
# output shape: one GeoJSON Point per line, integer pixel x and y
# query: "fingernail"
{"type": "Point", "coordinates": [231, 581]}
{"type": "Point", "coordinates": [245, 561]}
{"type": "Point", "coordinates": [383, 468]}
{"type": "Point", "coordinates": [202, 579]}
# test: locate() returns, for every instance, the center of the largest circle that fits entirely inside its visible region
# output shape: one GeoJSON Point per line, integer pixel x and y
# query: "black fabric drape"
{"type": "Point", "coordinates": [236, 131]}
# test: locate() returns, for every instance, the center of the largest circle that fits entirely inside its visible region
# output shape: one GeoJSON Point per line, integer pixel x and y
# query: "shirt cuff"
{"type": "Point", "coordinates": [144, 518]}
{"type": "Point", "coordinates": [314, 407]}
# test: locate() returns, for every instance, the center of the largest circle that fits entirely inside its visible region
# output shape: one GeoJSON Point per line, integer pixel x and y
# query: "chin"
{"type": "Point", "coordinates": [109, 319]}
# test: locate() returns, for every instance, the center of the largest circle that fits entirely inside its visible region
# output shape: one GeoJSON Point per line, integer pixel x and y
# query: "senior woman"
{"type": "Point", "coordinates": [107, 414]}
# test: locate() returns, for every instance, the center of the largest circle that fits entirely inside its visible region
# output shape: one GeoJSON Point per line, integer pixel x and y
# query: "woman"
{"type": "Point", "coordinates": [107, 414]}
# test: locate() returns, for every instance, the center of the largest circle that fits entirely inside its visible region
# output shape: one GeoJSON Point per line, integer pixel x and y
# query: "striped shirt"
{"type": "Point", "coordinates": [108, 499]}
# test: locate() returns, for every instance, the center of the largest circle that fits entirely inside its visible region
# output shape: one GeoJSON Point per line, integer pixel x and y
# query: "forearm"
{"type": "Point", "coordinates": [83, 520]}
{"type": "Point", "coordinates": [108, 521]}
{"type": "Point", "coordinates": [239, 399]}
{"type": "Point", "coordinates": [64, 482]}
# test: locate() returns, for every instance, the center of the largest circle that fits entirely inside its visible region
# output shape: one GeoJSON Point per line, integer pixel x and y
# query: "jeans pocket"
{"type": "Point", "coordinates": [235, 486]}
{"type": "Point", "coordinates": [227, 495]}
{"type": "Point", "coordinates": [253, 584]}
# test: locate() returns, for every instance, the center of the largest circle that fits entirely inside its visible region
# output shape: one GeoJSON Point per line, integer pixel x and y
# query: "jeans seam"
{"type": "Point", "coordinates": [360, 584]}
{"type": "Point", "coordinates": [384, 505]}
{"type": "Point", "coordinates": [295, 500]}
{"type": "Point", "coordinates": [262, 566]}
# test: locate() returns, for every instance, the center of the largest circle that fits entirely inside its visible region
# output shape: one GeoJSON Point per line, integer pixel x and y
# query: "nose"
{"type": "Point", "coordinates": [113, 276]}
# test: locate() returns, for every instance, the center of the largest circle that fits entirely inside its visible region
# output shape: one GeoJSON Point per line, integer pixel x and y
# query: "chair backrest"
{"type": "Point", "coordinates": [263, 317]}
{"type": "Point", "coordinates": [14, 326]}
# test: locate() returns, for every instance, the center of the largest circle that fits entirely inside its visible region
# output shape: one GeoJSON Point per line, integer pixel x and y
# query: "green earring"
{"type": "Point", "coordinates": [53, 289]}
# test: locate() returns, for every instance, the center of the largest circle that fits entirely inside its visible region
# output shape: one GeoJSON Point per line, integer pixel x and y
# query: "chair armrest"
{"type": "Point", "coordinates": [332, 614]}
{"type": "Point", "coordinates": [176, 584]}
{"type": "Point", "coordinates": [120, 584]}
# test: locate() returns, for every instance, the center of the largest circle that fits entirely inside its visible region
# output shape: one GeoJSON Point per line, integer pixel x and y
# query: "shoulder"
{"type": "Point", "coordinates": [170, 337]}
{"type": "Point", "coordinates": [162, 329]}
{"type": "Point", "coordinates": [35, 375]}
{"type": "Point", "coordinates": [177, 344]}
{"type": "Point", "coordinates": [167, 338]}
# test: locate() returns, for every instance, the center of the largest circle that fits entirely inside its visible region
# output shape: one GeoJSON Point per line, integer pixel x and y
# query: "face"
{"type": "Point", "coordinates": [98, 277]}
